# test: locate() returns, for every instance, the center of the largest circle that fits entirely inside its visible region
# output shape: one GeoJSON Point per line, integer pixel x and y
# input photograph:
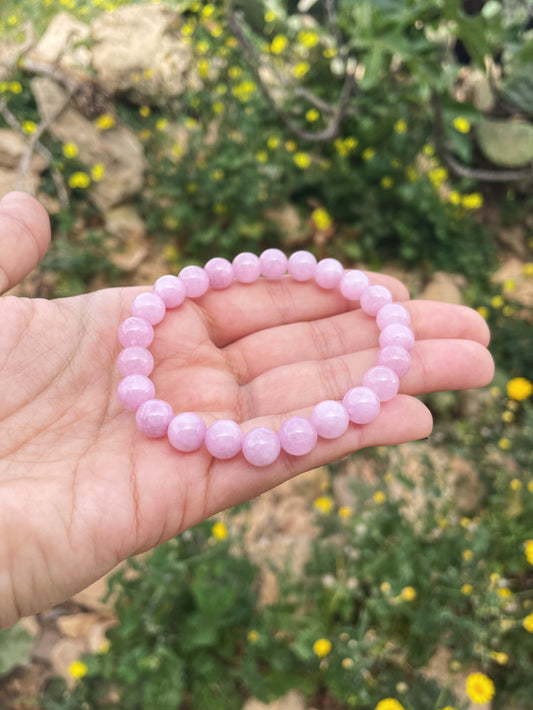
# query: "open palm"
{"type": "Point", "coordinates": [81, 489]}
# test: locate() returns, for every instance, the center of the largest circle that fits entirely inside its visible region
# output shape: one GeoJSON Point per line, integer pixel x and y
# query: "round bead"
{"type": "Point", "coordinates": [374, 298]}
{"type": "Point", "coordinates": [260, 446]}
{"type": "Point", "coordinates": [383, 381]}
{"type": "Point", "coordinates": [170, 290]}
{"type": "Point", "coordinates": [330, 419]}
{"type": "Point", "coordinates": [362, 405]}
{"type": "Point", "coordinates": [302, 265]}
{"type": "Point", "coordinates": [397, 334]}
{"type": "Point", "coordinates": [186, 432]}
{"type": "Point", "coordinates": [219, 272]}
{"type": "Point", "coordinates": [398, 359]}
{"type": "Point", "coordinates": [195, 280]}
{"type": "Point", "coordinates": [133, 390]}
{"type": "Point", "coordinates": [149, 306]}
{"type": "Point", "coordinates": [153, 418]}
{"type": "Point", "coordinates": [392, 313]}
{"type": "Point", "coordinates": [328, 273]}
{"type": "Point", "coordinates": [135, 361]}
{"type": "Point", "coordinates": [223, 439]}
{"type": "Point", "coordinates": [353, 283]}
{"type": "Point", "coordinates": [273, 263]}
{"type": "Point", "coordinates": [297, 436]}
{"type": "Point", "coordinates": [246, 267]}
{"type": "Point", "coordinates": [135, 331]}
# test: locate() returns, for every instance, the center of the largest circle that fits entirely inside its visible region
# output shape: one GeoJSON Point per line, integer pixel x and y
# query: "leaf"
{"type": "Point", "coordinates": [15, 647]}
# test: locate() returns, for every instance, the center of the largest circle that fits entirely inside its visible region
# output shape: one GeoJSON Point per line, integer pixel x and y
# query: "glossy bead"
{"type": "Point", "coordinates": [223, 439]}
{"type": "Point", "coordinates": [302, 265]}
{"type": "Point", "coordinates": [153, 418]}
{"type": "Point", "coordinates": [246, 267]}
{"type": "Point", "coordinates": [392, 313]}
{"type": "Point", "coordinates": [353, 283]}
{"type": "Point", "coordinates": [273, 263]}
{"type": "Point", "coordinates": [398, 359]}
{"type": "Point", "coordinates": [328, 273]}
{"type": "Point", "coordinates": [297, 436]}
{"type": "Point", "coordinates": [362, 405]}
{"type": "Point", "coordinates": [260, 446]}
{"type": "Point", "coordinates": [219, 272]}
{"type": "Point", "coordinates": [195, 280]}
{"type": "Point", "coordinates": [135, 331]}
{"type": "Point", "coordinates": [330, 419]}
{"type": "Point", "coordinates": [397, 334]}
{"type": "Point", "coordinates": [135, 361]}
{"type": "Point", "coordinates": [170, 290]}
{"type": "Point", "coordinates": [149, 306]}
{"type": "Point", "coordinates": [133, 390]}
{"type": "Point", "coordinates": [383, 381]}
{"type": "Point", "coordinates": [374, 298]}
{"type": "Point", "coordinates": [186, 431]}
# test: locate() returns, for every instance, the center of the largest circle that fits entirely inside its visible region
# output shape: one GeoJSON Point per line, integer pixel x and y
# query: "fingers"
{"type": "Point", "coordinates": [346, 333]}
{"type": "Point", "coordinates": [436, 365]}
{"type": "Point", "coordinates": [400, 420]}
{"type": "Point", "coordinates": [24, 237]}
{"type": "Point", "coordinates": [244, 309]}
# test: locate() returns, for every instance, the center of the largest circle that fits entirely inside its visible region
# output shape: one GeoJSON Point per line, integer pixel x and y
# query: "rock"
{"type": "Point", "coordinates": [124, 223]}
{"type": "Point", "coordinates": [444, 287]}
{"type": "Point", "coordinates": [293, 700]}
{"type": "Point", "coordinates": [92, 596]}
{"type": "Point", "coordinates": [506, 143]}
{"type": "Point", "coordinates": [160, 71]}
{"type": "Point", "coordinates": [290, 223]}
{"type": "Point", "coordinates": [77, 625]}
{"type": "Point", "coordinates": [11, 48]}
{"type": "Point", "coordinates": [12, 148]}
{"type": "Point", "coordinates": [117, 149]}
{"type": "Point", "coordinates": [511, 273]}
{"type": "Point", "coordinates": [61, 44]}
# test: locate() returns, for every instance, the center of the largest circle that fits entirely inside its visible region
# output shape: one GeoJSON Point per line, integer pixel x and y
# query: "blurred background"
{"type": "Point", "coordinates": [394, 135]}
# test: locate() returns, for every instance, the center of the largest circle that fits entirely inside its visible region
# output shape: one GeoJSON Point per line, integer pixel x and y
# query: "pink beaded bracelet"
{"type": "Point", "coordinates": [297, 436]}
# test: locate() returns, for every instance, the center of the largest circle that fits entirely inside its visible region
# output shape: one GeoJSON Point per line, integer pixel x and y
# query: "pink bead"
{"type": "Point", "coordinates": [398, 359]}
{"type": "Point", "coordinates": [330, 419]}
{"type": "Point", "coordinates": [135, 361]}
{"type": "Point", "coordinates": [374, 298]}
{"type": "Point", "coordinates": [150, 307]}
{"type": "Point", "coordinates": [273, 263]}
{"type": "Point", "coordinates": [302, 265]}
{"type": "Point", "coordinates": [219, 272]}
{"type": "Point", "coordinates": [397, 334]}
{"type": "Point", "coordinates": [186, 432]}
{"type": "Point", "coordinates": [153, 418]}
{"type": "Point", "coordinates": [246, 267]}
{"type": "Point", "coordinates": [195, 280]}
{"type": "Point", "coordinates": [260, 446]}
{"type": "Point", "coordinates": [383, 381]}
{"type": "Point", "coordinates": [223, 439]}
{"type": "Point", "coordinates": [170, 290]}
{"type": "Point", "coordinates": [392, 313]}
{"type": "Point", "coordinates": [135, 331]}
{"type": "Point", "coordinates": [328, 273]}
{"type": "Point", "coordinates": [353, 283]}
{"type": "Point", "coordinates": [362, 405]}
{"type": "Point", "coordinates": [133, 390]}
{"type": "Point", "coordinates": [297, 436]}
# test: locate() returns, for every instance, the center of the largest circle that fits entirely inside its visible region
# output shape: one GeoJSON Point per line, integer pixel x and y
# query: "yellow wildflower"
{"type": "Point", "coordinates": [322, 647]}
{"type": "Point", "coordinates": [428, 150]}
{"type": "Point", "coordinates": [77, 669]}
{"type": "Point", "coordinates": [516, 484]}
{"type": "Point", "coordinates": [219, 531]}
{"type": "Point", "coordinates": [308, 38]}
{"type": "Point", "coordinates": [530, 489]}
{"type": "Point", "coordinates": [79, 180]}
{"type": "Point", "coordinates": [529, 550]}
{"type": "Point", "coordinates": [202, 47]}
{"type": "Point", "coordinates": [386, 182]}
{"type": "Point", "coordinates": [379, 497]}
{"type": "Point", "coordinates": [234, 72]}
{"type": "Point", "coordinates": [216, 174]}
{"type": "Point", "coordinates": [290, 146]}
{"type": "Point", "coordinates": [467, 589]}
{"type": "Point", "coordinates": [347, 663]}
{"type": "Point", "coordinates": [270, 16]}
{"type": "Point", "coordinates": [261, 156]}
{"type": "Point", "coordinates": [312, 115]}
{"type": "Point", "coordinates": [324, 504]}
{"type": "Point", "coordinates": [527, 269]}
{"type": "Point", "coordinates": [438, 176]}
{"type": "Point", "coordinates": [468, 555]}
{"type": "Point", "coordinates": [368, 154]}
{"type": "Point", "coordinates": [161, 124]}
{"type": "Point", "coordinates": [203, 68]}
{"type": "Point", "coordinates": [454, 197]}
{"type": "Point", "coordinates": [148, 73]}
{"type": "Point", "coordinates": [218, 107]}
{"type": "Point", "coordinates": [252, 636]}
{"type": "Point", "coordinates": [145, 111]}
{"type": "Point", "coordinates": [496, 301]}
{"type": "Point", "coordinates": [472, 201]}
{"type": "Point", "coordinates": [105, 122]}
{"type": "Point", "coordinates": [461, 124]}
{"type": "Point", "coordinates": [504, 592]}
{"type": "Point", "coordinates": [97, 172]}
{"type": "Point", "coordinates": [479, 688]}
{"type": "Point", "coordinates": [29, 127]}
{"type": "Point", "coordinates": [187, 29]}
{"type": "Point", "coordinates": [408, 594]}
{"type": "Point", "coordinates": [145, 134]}
{"type": "Point", "coordinates": [389, 704]}
{"type": "Point", "coordinates": [527, 623]}
{"type": "Point", "coordinates": [400, 126]}
{"type": "Point", "coordinates": [500, 657]}
{"type": "Point", "coordinates": [273, 142]}
{"type": "Point", "coordinates": [207, 11]}
{"type": "Point", "coordinates": [330, 52]}
{"type": "Point", "coordinates": [508, 417]}
{"type": "Point", "coordinates": [300, 69]}
{"type": "Point", "coordinates": [15, 87]}
{"type": "Point", "coordinates": [321, 218]}
{"type": "Point", "coordinates": [302, 160]}
{"type": "Point", "coordinates": [385, 587]}
{"type": "Point", "coordinates": [411, 173]}
{"type": "Point", "coordinates": [519, 389]}
{"type": "Point", "coordinates": [278, 44]}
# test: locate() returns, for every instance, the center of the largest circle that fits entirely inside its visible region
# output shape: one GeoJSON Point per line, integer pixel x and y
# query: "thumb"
{"type": "Point", "coordinates": [24, 237]}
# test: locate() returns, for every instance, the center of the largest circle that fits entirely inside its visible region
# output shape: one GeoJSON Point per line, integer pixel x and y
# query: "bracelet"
{"type": "Point", "coordinates": [187, 431]}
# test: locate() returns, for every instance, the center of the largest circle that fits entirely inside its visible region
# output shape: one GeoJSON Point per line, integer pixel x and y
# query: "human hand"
{"type": "Point", "coordinates": [82, 489]}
